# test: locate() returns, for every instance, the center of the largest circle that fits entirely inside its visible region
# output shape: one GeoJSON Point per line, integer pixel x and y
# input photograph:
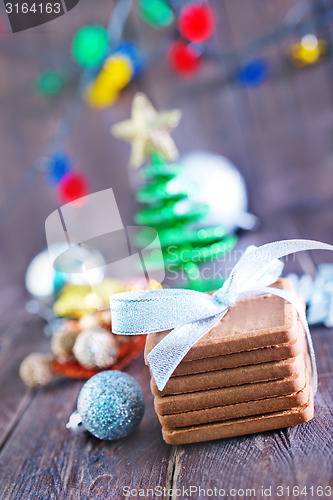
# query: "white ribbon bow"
{"type": "Point", "coordinates": [190, 314]}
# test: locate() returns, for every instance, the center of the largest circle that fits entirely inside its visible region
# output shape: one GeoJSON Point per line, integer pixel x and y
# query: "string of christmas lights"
{"type": "Point", "coordinates": [109, 64]}
{"type": "Point", "coordinates": [54, 162]}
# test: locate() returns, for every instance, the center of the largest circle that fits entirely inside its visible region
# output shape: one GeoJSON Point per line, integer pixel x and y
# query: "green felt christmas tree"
{"type": "Point", "coordinates": [169, 204]}
{"type": "Point", "coordinates": [185, 240]}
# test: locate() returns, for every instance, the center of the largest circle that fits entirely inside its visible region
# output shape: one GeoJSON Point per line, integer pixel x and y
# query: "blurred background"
{"type": "Point", "coordinates": [252, 80]}
{"type": "Point", "coordinates": [257, 89]}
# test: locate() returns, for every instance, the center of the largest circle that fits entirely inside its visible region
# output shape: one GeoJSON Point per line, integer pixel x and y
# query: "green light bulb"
{"type": "Point", "coordinates": [192, 270]}
{"type": "Point", "coordinates": [49, 83]}
{"type": "Point", "coordinates": [90, 45]}
{"type": "Point", "coordinates": [156, 12]}
{"type": "Point", "coordinates": [202, 234]}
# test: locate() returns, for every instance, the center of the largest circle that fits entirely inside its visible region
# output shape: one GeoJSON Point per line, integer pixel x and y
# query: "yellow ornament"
{"type": "Point", "coordinates": [148, 131]}
{"type": "Point", "coordinates": [100, 96]}
{"type": "Point", "coordinates": [117, 71]}
{"type": "Point", "coordinates": [154, 285]}
{"type": "Point", "coordinates": [75, 301]}
{"type": "Point", "coordinates": [106, 288]}
{"type": "Point", "coordinates": [308, 51]}
{"type": "Point", "coordinates": [71, 302]}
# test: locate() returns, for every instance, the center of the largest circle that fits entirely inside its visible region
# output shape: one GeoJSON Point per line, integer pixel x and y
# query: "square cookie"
{"type": "Point", "coordinates": [253, 357]}
{"type": "Point", "coordinates": [179, 403]}
{"type": "Point", "coordinates": [250, 324]}
{"type": "Point", "coordinates": [229, 377]}
{"type": "Point", "coordinates": [241, 426]}
{"type": "Point", "coordinates": [238, 410]}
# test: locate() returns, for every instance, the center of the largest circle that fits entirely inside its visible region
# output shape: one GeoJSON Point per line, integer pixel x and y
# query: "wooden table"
{"type": "Point", "coordinates": [280, 136]}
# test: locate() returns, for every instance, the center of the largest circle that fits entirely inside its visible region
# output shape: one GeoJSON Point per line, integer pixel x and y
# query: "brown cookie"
{"type": "Point", "coordinates": [238, 410]}
{"type": "Point", "coordinates": [250, 324]}
{"type": "Point", "coordinates": [241, 426]}
{"type": "Point", "coordinates": [228, 377]}
{"type": "Point", "coordinates": [179, 403]}
{"type": "Point", "coordinates": [256, 356]}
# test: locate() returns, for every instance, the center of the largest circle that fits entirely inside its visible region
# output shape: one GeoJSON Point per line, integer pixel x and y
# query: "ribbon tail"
{"type": "Point", "coordinates": [294, 300]}
{"type": "Point", "coordinates": [169, 352]}
{"type": "Point", "coordinates": [255, 261]}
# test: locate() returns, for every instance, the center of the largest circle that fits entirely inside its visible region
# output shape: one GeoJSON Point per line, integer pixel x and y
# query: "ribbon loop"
{"type": "Point", "coordinates": [255, 261]}
{"type": "Point", "coordinates": [136, 313]}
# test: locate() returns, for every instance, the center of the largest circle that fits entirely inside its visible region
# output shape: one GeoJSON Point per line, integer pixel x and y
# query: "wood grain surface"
{"type": "Point", "coordinates": [280, 137]}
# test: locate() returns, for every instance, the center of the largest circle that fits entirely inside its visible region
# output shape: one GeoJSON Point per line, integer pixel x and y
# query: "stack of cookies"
{"type": "Point", "coordinates": [250, 373]}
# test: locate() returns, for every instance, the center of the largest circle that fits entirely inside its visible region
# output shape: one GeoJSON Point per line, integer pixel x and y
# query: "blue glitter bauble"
{"type": "Point", "coordinates": [111, 405]}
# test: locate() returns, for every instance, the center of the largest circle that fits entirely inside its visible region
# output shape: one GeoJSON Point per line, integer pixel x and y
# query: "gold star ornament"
{"type": "Point", "coordinates": [148, 131]}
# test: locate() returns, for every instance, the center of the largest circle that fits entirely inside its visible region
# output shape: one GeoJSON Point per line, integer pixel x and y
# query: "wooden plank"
{"type": "Point", "coordinates": [21, 336]}
{"type": "Point", "coordinates": [61, 465]}
{"type": "Point", "coordinates": [76, 470]}
{"type": "Point", "coordinates": [29, 122]}
{"type": "Point", "coordinates": [317, 225]}
{"type": "Point", "coordinates": [292, 158]}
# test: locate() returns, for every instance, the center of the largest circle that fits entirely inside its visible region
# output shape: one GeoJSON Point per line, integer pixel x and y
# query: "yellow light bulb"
{"type": "Point", "coordinates": [308, 51]}
{"type": "Point", "coordinates": [103, 82]}
{"type": "Point", "coordinates": [309, 42]}
{"type": "Point", "coordinates": [118, 71]}
{"type": "Point", "coordinates": [100, 97]}
{"type": "Point", "coordinates": [115, 74]}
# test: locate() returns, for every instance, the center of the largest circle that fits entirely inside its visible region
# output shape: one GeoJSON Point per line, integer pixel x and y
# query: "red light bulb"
{"type": "Point", "coordinates": [196, 22]}
{"type": "Point", "coordinates": [183, 58]}
{"type": "Point", "coordinates": [72, 186]}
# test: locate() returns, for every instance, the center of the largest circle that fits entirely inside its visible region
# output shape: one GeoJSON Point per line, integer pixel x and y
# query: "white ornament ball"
{"type": "Point", "coordinates": [213, 180]}
{"type": "Point", "coordinates": [40, 276]}
{"type": "Point", "coordinates": [42, 280]}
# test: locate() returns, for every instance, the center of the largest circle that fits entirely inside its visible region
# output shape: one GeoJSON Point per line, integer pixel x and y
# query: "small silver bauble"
{"type": "Point", "coordinates": [110, 406]}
